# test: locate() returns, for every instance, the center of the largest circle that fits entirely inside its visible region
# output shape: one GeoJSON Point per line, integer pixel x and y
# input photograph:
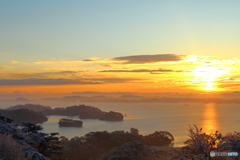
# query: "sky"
{"type": "Point", "coordinates": [119, 46]}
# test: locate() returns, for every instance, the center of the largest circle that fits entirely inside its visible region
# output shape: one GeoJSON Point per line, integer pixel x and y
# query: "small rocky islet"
{"type": "Point", "coordinates": [64, 122]}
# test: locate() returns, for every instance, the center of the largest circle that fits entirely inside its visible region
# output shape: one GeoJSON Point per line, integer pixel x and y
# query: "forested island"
{"type": "Point", "coordinates": [83, 111]}
{"type": "Point", "coordinates": [20, 115]}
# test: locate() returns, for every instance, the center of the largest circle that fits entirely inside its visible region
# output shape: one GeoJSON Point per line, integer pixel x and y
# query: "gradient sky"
{"type": "Point", "coordinates": [135, 45]}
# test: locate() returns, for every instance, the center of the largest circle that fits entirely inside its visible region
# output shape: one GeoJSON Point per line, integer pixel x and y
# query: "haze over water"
{"type": "Point", "coordinates": [148, 118]}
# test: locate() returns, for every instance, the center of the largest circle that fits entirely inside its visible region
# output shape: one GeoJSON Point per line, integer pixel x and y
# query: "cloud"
{"type": "Point", "coordinates": [106, 65]}
{"type": "Point", "coordinates": [135, 59]}
{"type": "Point", "coordinates": [44, 82]}
{"type": "Point", "coordinates": [88, 60]}
{"type": "Point", "coordinates": [28, 75]}
{"type": "Point", "coordinates": [114, 80]}
{"type": "Point", "coordinates": [65, 72]}
{"type": "Point", "coordinates": [93, 59]}
{"type": "Point", "coordinates": [56, 62]}
{"type": "Point", "coordinates": [230, 85]}
{"type": "Point", "coordinates": [141, 59]}
{"type": "Point", "coordinates": [13, 61]}
{"type": "Point", "coordinates": [101, 93]}
{"type": "Point", "coordinates": [32, 81]}
{"type": "Point", "coordinates": [140, 70]}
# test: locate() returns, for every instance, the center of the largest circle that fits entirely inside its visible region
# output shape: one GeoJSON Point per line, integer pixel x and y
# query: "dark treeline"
{"type": "Point", "coordinates": [97, 145]}
{"type": "Point", "coordinates": [25, 141]}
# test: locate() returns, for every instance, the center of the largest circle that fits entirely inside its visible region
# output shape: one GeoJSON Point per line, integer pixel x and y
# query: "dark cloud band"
{"type": "Point", "coordinates": [5, 82]}
{"type": "Point", "coordinates": [139, 70]}
{"type": "Point", "coordinates": [145, 70]}
{"type": "Point", "coordinates": [141, 59]}
{"type": "Point", "coordinates": [43, 82]}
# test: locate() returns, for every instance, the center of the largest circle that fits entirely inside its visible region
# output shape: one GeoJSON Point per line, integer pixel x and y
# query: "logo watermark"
{"type": "Point", "coordinates": [213, 154]}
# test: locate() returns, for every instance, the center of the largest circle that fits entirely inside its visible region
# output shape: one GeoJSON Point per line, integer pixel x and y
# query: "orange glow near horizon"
{"type": "Point", "coordinates": [193, 74]}
{"type": "Point", "coordinates": [116, 87]}
{"type": "Point", "coordinates": [63, 88]}
{"type": "Point", "coordinates": [72, 88]}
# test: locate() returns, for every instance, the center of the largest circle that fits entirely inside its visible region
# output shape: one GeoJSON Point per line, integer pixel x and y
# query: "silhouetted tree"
{"type": "Point", "coordinates": [20, 137]}
{"type": "Point", "coordinates": [10, 149]}
{"type": "Point", "coordinates": [200, 144]}
{"type": "Point", "coordinates": [159, 138]}
{"type": "Point", "coordinates": [94, 144]}
{"type": "Point", "coordinates": [134, 131]}
{"type": "Point", "coordinates": [132, 151]}
{"type": "Point", "coordinates": [47, 144]}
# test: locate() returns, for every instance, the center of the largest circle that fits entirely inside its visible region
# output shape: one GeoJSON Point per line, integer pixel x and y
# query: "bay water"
{"type": "Point", "coordinates": [150, 117]}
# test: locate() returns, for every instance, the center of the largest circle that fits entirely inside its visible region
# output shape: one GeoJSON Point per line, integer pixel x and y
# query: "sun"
{"type": "Point", "coordinates": [209, 86]}
{"type": "Point", "coordinates": [207, 77]}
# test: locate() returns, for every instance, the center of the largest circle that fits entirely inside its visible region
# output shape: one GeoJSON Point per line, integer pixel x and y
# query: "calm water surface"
{"type": "Point", "coordinates": [148, 118]}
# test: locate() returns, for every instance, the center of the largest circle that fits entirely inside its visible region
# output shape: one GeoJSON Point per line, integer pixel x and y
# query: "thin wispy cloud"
{"type": "Point", "coordinates": [143, 70]}
{"type": "Point", "coordinates": [56, 62]}
{"type": "Point", "coordinates": [27, 75]}
{"type": "Point", "coordinates": [85, 61]}
{"type": "Point", "coordinates": [115, 80]}
{"type": "Point", "coordinates": [44, 82]}
{"type": "Point", "coordinates": [13, 61]}
{"type": "Point", "coordinates": [7, 68]}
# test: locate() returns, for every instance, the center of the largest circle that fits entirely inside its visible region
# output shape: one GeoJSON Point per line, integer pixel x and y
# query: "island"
{"type": "Point", "coordinates": [111, 116]}
{"type": "Point", "coordinates": [20, 115]}
{"type": "Point", "coordinates": [86, 112]}
{"type": "Point", "coordinates": [83, 111]}
{"type": "Point", "coordinates": [64, 122]}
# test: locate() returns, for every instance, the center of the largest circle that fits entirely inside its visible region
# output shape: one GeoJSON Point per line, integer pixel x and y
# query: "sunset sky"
{"type": "Point", "coordinates": [119, 46]}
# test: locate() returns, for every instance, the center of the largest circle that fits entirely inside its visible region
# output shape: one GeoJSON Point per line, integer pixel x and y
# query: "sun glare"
{"type": "Point", "coordinates": [209, 86]}
{"type": "Point", "coordinates": [207, 75]}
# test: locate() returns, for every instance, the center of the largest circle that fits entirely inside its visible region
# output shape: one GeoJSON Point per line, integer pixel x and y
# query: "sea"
{"type": "Point", "coordinates": [175, 118]}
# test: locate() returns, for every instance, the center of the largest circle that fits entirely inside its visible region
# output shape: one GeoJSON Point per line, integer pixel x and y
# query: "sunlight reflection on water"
{"type": "Point", "coordinates": [210, 123]}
